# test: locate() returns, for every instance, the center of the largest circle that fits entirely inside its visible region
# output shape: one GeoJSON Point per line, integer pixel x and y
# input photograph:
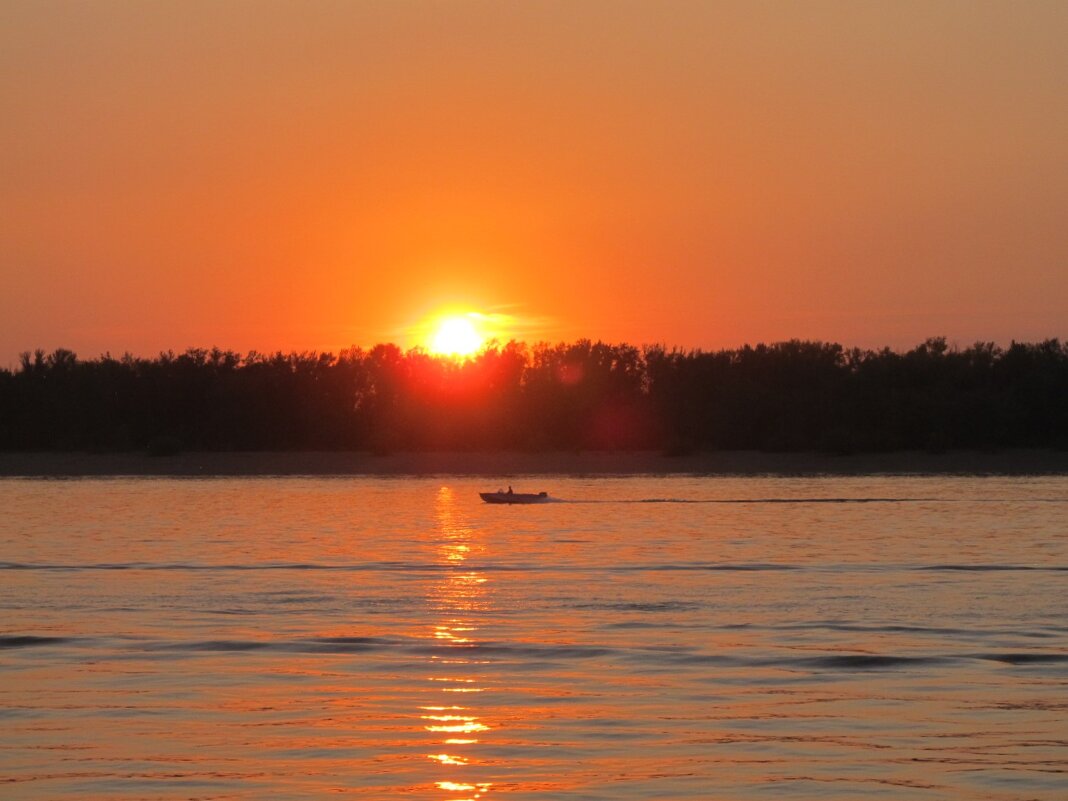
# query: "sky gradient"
{"type": "Point", "coordinates": [313, 175]}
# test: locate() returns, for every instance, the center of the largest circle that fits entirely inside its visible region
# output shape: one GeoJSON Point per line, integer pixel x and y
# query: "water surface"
{"type": "Point", "coordinates": [641, 638]}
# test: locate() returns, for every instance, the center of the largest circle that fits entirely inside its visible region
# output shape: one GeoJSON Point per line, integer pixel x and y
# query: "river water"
{"type": "Point", "coordinates": [639, 638]}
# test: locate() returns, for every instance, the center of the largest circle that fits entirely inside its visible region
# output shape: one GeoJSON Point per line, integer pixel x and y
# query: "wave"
{"type": "Point", "coordinates": [29, 641]}
{"type": "Point", "coordinates": [527, 654]}
{"type": "Point", "coordinates": [637, 606]}
{"type": "Point", "coordinates": [898, 628]}
{"type": "Point", "coordinates": [1024, 658]}
{"type": "Point", "coordinates": [194, 566]}
{"type": "Point", "coordinates": [861, 661]}
{"type": "Point", "coordinates": [992, 567]}
{"type": "Point", "coordinates": [411, 567]}
{"type": "Point", "coordinates": [435, 568]}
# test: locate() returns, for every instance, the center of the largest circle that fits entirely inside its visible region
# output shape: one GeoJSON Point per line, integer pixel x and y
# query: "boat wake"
{"type": "Point", "coordinates": [746, 500]}
{"type": "Point", "coordinates": [798, 500]}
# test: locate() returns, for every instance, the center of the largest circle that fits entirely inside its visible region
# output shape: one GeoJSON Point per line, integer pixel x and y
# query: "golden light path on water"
{"type": "Point", "coordinates": [644, 638]}
{"type": "Point", "coordinates": [460, 593]}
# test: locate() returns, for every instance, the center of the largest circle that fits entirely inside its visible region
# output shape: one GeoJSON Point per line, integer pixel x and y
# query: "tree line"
{"type": "Point", "coordinates": [787, 396]}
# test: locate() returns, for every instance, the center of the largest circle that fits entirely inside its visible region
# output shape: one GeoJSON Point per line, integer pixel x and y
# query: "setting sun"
{"type": "Point", "coordinates": [456, 336]}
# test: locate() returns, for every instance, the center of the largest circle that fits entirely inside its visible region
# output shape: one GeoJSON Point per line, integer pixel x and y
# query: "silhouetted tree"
{"type": "Point", "coordinates": [794, 395]}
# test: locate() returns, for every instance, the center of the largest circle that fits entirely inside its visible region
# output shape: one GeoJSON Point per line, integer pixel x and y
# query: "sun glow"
{"type": "Point", "coordinates": [456, 335]}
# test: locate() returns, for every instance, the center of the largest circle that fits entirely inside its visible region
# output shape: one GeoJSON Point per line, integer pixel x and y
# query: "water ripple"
{"type": "Point", "coordinates": [521, 652]}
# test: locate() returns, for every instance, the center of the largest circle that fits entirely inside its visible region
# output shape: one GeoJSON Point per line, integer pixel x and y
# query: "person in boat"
{"type": "Point", "coordinates": [510, 489]}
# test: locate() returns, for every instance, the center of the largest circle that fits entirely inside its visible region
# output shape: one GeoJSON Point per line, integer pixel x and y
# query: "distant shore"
{"type": "Point", "coordinates": [505, 463]}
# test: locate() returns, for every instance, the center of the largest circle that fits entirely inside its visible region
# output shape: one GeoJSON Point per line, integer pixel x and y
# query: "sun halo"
{"type": "Point", "coordinates": [456, 336]}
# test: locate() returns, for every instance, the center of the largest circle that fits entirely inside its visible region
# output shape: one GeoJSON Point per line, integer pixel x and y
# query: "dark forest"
{"type": "Point", "coordinates": [789, 396]}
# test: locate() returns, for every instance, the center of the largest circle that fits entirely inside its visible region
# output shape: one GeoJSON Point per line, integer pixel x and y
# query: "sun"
{"type": "Point", "coordinates": [456, 335]}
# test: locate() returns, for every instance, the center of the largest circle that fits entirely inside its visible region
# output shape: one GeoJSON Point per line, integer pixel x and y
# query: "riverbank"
{"type": "Point", "coordinates": [503, 464]}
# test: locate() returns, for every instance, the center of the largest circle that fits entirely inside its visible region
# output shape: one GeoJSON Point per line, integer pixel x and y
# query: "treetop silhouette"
{"type": "Point", "coordinates": [786, 396]}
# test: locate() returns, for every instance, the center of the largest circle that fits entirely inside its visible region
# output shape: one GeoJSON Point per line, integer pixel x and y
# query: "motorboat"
{"type": "Point", "coordinates": [514, 497]}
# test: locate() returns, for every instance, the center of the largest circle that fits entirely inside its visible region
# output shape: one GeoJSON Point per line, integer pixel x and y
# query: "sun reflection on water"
{"type": "Point", "coordinates": [455, 599]}
{"type": "Point", "coordinates": [475, 790]}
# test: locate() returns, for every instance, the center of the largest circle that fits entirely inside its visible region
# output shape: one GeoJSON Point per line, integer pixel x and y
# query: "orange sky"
{"type": "Point", "coordinates": [302, 175]}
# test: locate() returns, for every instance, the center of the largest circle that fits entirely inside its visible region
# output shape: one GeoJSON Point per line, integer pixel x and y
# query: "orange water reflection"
{"type": "Point", "coordinates": [461, 594]}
